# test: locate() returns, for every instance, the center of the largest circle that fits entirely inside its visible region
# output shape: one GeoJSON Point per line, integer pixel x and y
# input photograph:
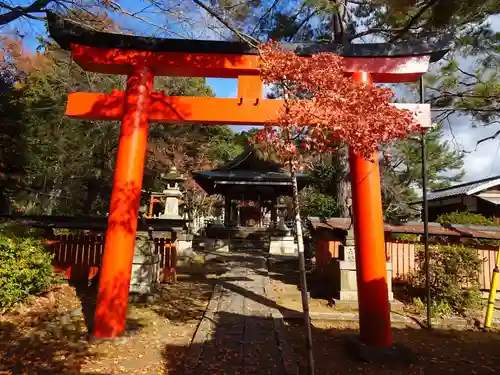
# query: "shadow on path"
{"type": "Point", "coordinates": [249, 345]}
{"type": "Point", "coordinates": [241, 331]}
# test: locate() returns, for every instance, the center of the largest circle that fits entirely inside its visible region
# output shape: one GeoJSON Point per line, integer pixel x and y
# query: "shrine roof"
{"type": "Point", "coordinates": [66, 32]}
{"type": "Point", "coordinates": [248, 176]}
{"type": "Point", "coordinates": [251, 159]}
{"type": "Point", "coordinates": [250, 165]}
{"type": "Point", "coordinates": [252, 170]}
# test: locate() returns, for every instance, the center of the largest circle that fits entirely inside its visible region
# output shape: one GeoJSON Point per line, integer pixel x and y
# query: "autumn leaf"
{"type": "Point", "coordinates": [323, 106]}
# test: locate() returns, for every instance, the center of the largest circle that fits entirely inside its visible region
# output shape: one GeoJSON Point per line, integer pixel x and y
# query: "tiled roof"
{"type": "Point", "coordinates": [493, 200]}
{"type": "Point", "coordinates": [468, 188]}
{"type": "Point", "coordinates": [436, 229]}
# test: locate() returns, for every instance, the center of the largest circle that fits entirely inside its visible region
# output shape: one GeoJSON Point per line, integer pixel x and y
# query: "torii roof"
{"type": "Point", "coordinates": [66, 32]}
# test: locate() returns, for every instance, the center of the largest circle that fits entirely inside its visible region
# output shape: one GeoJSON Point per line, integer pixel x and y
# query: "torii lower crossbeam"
{"type": "Point", "coordinates": [247, 110]}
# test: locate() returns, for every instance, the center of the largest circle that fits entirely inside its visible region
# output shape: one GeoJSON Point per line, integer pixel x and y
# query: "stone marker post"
{"type": "Point", "coordinates": [145, 266]}
{"type": "Point", "coordinates": [345, 271]}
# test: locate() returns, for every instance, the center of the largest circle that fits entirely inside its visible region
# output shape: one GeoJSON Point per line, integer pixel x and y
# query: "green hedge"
{"type": "Point", "coordinates": [454, 281]}
{"type": "Point", "coordinates": [25, 267]}
{"type": "Point", "coordinates": [465, 218]}
{"type": "Point", "coordinates": [317, 204]}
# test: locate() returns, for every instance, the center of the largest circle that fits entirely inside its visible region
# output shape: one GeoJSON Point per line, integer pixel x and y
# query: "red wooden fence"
{"type": "Point", "coordinates": [79, 256]}
{"type": "Point", "coordinates": [403, 261]}
{"type": "Point", "coordinates": [402, 254]}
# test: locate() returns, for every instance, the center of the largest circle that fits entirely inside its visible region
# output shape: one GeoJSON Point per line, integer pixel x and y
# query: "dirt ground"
{"type": "Point", "coordinates": [434, 353]}
{"type": "Point", "coordinates": [287, 296]}
{"type": "Point", "coordinates": [438, 352]}
{"type": "Point", "coordinates": [284, 279]}
{"type": "Point", "coordinates": [49, 335]}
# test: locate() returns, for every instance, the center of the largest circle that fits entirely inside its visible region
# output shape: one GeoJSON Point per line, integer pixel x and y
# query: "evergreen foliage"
{"type": "Point", "coordinates": [465, 218]}
{"type": "Point", "coordinates": [453, 284]}
{"type": "Point", "coordinates": [41, 176]}
{"type": "Point", "coordinates": [25, 267]}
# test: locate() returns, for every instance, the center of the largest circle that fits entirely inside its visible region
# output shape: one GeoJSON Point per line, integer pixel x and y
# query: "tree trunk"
{"type": "Point", "coordinates": [302, 271]}
{"type": "Point", "coordinates": [53, 201]}
{"type": "Point", "coordinates": [344, 196]}
{"type": "Point", "coordinates": [91, 196]}
{"type": "Point", "coordinates": [339, 27]}
{"type": "Point", "coordinates": [5, 204]}
{"type": "Point", "coordinates": [343, 189]}
{"type": "Point", "coordinates": [339, 23]}
{"type": "Point", "coordinates": [190, 221]}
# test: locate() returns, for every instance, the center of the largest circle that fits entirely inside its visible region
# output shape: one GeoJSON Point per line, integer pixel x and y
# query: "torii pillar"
{"type": "Point", "coordinates": [114, 280]}
{"type": "Point", "coordinates": [371, 273]}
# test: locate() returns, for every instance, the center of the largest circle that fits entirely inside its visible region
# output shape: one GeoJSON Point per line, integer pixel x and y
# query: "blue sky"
{"type": "Point", "coordinates": [226, 88]}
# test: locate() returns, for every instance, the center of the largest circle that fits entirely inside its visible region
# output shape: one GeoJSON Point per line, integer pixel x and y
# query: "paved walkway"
{"type": "Point", "coordinates": [241, 332]}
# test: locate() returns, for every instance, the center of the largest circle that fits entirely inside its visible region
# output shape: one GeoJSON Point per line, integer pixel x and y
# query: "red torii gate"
{"type": "Point", "coordinates": [141, 59]}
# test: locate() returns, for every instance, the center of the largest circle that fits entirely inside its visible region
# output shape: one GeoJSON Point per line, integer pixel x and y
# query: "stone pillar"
{"type": "Point", "coordinates": [238, 218]}
{"type": "Point", "coordinates": [281, 225]}
{"type": "Point", "coordinates": [347, 286]}
{"type": "Point", "coordinates": [227, 211]}
{"type": "Point", "coordinates": [283, 245]}
{"type": "Point", "coordinates": [220, 245]}
{"type": "Point", "coordinates": [184, 244]}
{"type": "Point", "coordinates": [145, 266]}
{"type": "Point", "coordinates": [274, 213]}
{"type": "Point", "coordinates": [345, 271]}
{"type": "Point", "coordinates": [234, 213]}
{"type": "Point", "coordinates": [172, 197]}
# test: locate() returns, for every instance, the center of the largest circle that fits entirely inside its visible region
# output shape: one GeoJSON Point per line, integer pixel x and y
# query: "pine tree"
{"type": "Point", "coordinates": [401, 170]}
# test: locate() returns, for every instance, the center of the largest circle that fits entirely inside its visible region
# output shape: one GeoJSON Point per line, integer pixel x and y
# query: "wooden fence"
{"type": "Point", "coordinates": [79, 256]}
{"type": "Point", "coordinates": [402, 254]}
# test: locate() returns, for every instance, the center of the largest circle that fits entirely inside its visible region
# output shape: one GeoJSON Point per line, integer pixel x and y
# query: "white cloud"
{"type": "Point", "coordinates": [268, 89]}
{"type": "Point", "coordinates": [481, 160]}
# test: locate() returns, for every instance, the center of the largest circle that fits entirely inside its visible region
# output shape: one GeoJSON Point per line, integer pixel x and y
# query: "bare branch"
{"type": "Point", "coordinates": [468, 74]}
{"type": "Point", "coordinates": [116, 7]}
{"type": "Point", "coordinates": [497, 133]}
{"type": "Point", "coordinates": [267, 12]}
{"type": "Point", "coordinates": [370, 32]}
{"type": "Point", "coordinates": [494, 159]}
{"type": "Point", "coordinates": [17, 12]}
{"type": "Point", "coordinates": [251, 41]}
{"type": "Point", "coordinates": [413, 20]}
{"type": "Point", "coordinates": [304, 21]}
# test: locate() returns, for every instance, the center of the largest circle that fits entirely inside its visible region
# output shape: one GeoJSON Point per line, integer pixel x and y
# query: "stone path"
{"type": "Point", "coordinates": [241, 332]}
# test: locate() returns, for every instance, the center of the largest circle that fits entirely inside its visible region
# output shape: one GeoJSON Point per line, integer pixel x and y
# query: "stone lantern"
{"type": "Point", "coordinates": [172, 194]}
{"type": "Point", "coordinates": [282, 211]}
{"type": "Point", "coordinates": [283, 242]}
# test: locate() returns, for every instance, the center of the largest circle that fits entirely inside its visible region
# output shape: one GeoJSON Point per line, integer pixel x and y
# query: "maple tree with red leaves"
{"type": "Point", "coordinates": [323, 106]}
